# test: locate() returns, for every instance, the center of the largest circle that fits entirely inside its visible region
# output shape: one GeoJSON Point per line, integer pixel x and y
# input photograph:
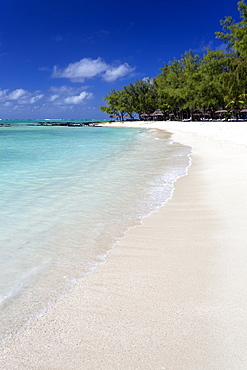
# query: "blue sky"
{"type": "Point", "coordinates": [59, 58]}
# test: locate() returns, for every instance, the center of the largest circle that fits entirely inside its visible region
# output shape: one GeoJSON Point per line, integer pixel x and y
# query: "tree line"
{"type": "Point", "coordinates": [205, 84]}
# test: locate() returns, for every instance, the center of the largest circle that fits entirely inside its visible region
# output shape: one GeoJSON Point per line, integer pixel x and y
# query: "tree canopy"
{"type": "Point", "coordinates": [216, 80]}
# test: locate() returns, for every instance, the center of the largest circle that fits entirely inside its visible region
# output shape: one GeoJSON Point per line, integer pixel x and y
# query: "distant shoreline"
{"type": "Point", "coordinates": [69, 123]}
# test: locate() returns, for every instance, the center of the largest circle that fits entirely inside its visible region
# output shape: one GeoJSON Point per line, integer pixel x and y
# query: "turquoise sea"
{"type": "Point", "coordinates": [68, 194]}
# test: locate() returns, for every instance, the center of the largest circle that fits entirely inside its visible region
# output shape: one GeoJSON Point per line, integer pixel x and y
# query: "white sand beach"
{"type": "Point", "coordinates": [172, 294]}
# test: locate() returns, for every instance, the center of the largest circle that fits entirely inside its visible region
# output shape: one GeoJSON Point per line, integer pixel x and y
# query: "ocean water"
{"type": "Point", "coordinates": [67, 196]}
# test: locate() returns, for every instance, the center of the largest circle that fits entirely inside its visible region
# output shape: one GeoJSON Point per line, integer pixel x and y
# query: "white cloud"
{"type": "Point", "coordinates": [3, 94]}
{"type": "Point", "coordinates": [77, 99]}
{"type": "Point", "coordinates": [68, 95]}
{"type": "Point", "coordinates": [54, 97]}
{"type": "Point", "coordinates": [89, 68]}
{"type": "Point", "coordinates": [67, 90]}
{"type": "Point", "coordinates": [58, 99]}
{"type": "Point", "coordinates": [17, 94]}
{"type": "Point", "coordinates": [113, 73]}
{"type": "Point", "coordinates": [36, 98]}
{"type": "Point", "coordinates": [77, 72]}
{"type": "Point", "coordinates": [8, 104]}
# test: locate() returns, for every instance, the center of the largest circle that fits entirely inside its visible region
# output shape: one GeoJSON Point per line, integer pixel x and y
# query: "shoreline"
{"type": "Point", "coordinates": [234, 132]}
{"type": "Point", "coordinates": [172, 294]}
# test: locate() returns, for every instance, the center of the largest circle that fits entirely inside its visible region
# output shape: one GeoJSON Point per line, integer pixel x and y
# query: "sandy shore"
{"type": "Point", "coordinates": [173, 293]}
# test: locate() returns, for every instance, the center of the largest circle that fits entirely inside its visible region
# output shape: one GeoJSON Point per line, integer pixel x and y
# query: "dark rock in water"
{"type": "Point", "coordinates": [69, 124]}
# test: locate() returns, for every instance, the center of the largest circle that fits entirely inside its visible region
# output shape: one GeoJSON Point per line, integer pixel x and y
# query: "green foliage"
{"type": "Point", "coordinates": [216, 80]}
{"type": "Point", "coordinates": [118, 103]}
{"type": "Point", "coordinates": [192, 82]}
{"type": "Point", "coordinates": [138, 97]}
{"type": "Point", "coordinates": [144, 95]}
{"type": "Point", "coordinates": [235, 34]}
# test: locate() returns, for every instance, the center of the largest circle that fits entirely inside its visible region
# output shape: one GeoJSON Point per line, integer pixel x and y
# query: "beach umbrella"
{"type": "Point", "coordinates": [145, 116]}
{"type": "Point", "coordinates": [157, 113]}
{"type": "Point", "coordinates": [221, 111]}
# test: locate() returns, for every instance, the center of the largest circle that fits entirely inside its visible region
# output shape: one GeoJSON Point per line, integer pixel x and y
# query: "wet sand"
{"type": "Point", "coordinates": [173, 293]}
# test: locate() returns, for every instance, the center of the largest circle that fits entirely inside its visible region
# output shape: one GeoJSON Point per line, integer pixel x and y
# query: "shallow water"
{"type": "Point", "coordinates": [67, 196]}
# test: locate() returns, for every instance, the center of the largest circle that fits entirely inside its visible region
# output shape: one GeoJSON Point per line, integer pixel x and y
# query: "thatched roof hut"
{"type": "Point", "coordinates": [145, 116]}
{"type": "Point", "coordinates": [221, 111]}
{"type": "Point", "coordinates": [157, 113]}
{"type": "Point", "coordinates": [114, 117]}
